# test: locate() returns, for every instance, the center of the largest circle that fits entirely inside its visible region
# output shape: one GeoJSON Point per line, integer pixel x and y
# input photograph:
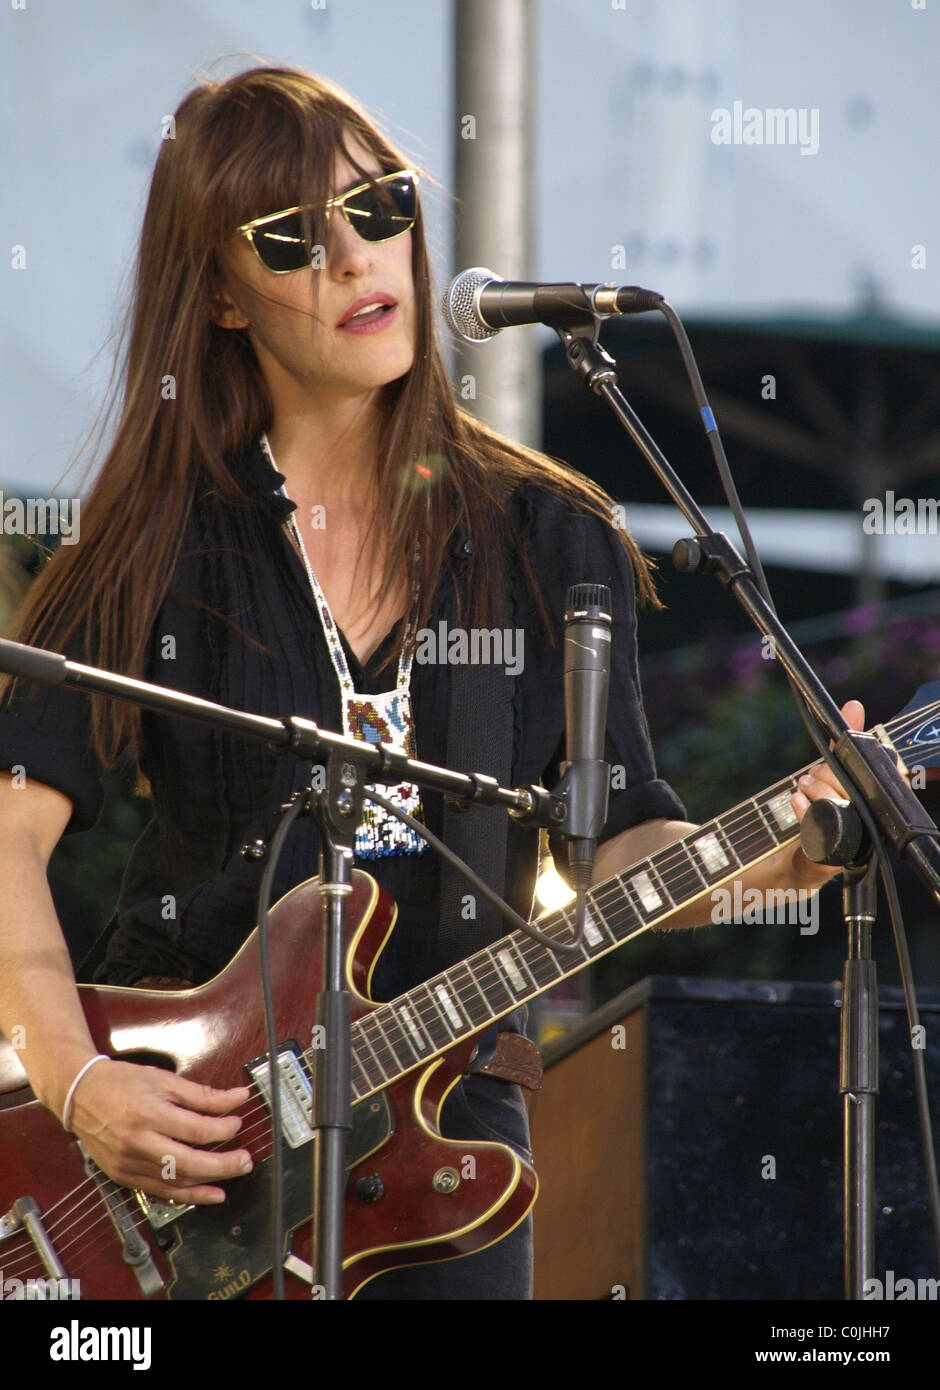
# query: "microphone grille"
{"type": "Point", "coordinates": [459, 305]}
{"type": "Point", "coordinates": [593, 600]}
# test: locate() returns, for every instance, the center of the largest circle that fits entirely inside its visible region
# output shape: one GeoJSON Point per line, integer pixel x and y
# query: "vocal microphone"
{"type": "Point", "coordinates": [477, 303]}
{"type": "Point", "coordinates": [587, 679]}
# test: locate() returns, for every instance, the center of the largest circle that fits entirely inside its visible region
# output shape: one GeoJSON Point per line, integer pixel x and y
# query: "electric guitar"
{"type": "Point", "coordinates": [411, 1195]}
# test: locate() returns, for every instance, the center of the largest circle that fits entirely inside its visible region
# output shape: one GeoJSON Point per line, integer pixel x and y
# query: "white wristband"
{"type": "Point", "coordinates": [66, 1109]}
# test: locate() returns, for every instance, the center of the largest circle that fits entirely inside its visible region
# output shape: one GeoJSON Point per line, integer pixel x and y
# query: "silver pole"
{"type": "Point", "coordinates": [495, 93]}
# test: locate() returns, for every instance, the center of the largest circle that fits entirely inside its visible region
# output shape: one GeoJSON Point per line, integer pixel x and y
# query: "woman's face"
{"type": "Point", "coordinates": [310, 357]}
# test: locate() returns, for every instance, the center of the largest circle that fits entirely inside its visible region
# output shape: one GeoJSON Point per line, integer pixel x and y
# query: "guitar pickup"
{"type": "Point", "coordinates": [296, 1094]}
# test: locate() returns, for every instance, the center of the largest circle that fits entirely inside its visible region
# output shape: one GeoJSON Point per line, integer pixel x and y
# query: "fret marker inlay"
{"type": "Point", "coordinates": [643, 887]}
{"type": "Point", "coordinates": [781, 810]}
{"type": "Point", "coordinates": [512, 971]}
{"type": "Point", "coordinates": [413, 1029]}
{"type": "Point", "coordinates": [592, 933]}
{"type": "Point", "coordinates": [447, 1004]}
{"type": "Point", "coordinates": [711, 853]}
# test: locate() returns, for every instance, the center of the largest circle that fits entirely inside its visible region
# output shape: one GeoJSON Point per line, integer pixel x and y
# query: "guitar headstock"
{"type": "Point", "coordinates": [915, 733]}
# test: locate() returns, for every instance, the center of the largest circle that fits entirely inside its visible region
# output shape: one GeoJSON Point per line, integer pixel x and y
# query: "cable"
{"type": "Point", "coordinates": [294, 809]}
{"type": "Point", "coordinates": [510, 915]}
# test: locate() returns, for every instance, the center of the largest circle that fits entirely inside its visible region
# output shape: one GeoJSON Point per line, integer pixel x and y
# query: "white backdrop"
{"type": "Point", "coordinates": [628, 88]}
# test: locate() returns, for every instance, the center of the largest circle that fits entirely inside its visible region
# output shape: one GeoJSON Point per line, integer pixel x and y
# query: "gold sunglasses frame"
{"type": "Point", "coordinates": [248, 229]}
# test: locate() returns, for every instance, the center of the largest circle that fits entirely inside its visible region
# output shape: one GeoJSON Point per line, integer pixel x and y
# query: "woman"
{"type": "Point", "coordinates": [291, 495]}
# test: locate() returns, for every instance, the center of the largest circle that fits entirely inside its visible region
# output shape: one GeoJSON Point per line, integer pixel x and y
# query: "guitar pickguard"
{"type": "Point", "coordinates": [219, 1252]}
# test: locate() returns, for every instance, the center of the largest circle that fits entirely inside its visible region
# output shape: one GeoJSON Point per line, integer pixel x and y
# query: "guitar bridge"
{"type": "Point", "coordinates": [134, 1249]}
{"type": "Point", "coordinates": [25, 1216]}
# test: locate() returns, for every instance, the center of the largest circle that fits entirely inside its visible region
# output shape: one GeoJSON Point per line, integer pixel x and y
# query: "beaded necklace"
{"type": "Point", "coordinates": [381, 718]}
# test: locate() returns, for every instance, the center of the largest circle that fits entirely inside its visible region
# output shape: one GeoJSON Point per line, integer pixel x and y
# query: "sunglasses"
{"type": "Point", "coordinates": [379, 210]}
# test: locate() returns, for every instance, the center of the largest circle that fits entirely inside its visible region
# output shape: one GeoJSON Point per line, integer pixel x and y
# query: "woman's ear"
{"type": "Point", "coordinates": [224, 313]}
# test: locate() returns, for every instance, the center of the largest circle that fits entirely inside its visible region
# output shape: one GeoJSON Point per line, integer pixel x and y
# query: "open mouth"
{"type": "Point", "coordinates": [370, 313]}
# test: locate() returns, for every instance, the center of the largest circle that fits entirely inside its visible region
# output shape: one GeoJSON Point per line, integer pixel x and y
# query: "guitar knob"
{"type": "Point", "coordinates": [370, 1189]}
{"type": "Point", "coordinates": [446, 1181]}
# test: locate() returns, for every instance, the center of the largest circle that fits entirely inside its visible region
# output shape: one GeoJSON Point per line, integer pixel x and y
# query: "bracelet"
{"type": "Point", "coordinates": [66, 1116]}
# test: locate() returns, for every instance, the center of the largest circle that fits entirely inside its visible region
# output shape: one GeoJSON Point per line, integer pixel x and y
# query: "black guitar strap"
{"type": "Point", "coordinates": [479, 739]}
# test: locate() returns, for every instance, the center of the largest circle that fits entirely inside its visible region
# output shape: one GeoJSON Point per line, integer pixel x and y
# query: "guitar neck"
{"type": "Point", "coordinates": [489, 984]}
{"type": "Point", "coordinates": [463, 1000]}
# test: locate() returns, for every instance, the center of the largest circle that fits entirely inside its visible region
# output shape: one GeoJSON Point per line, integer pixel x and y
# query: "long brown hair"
{"type": "Point", "coordinates": [264, 139]}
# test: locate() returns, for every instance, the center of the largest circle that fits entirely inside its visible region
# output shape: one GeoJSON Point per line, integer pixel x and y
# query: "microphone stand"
{"type": "Point", "coordinates": [868, 773]}
{"type": "Point", "coordinates": [351, 766]}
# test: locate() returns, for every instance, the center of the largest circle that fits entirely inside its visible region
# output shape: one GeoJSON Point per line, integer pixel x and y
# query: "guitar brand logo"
{"type": "Point", "coordinates": [233, 1287]}
{"type": "Point", "coordinates": [928, 732]}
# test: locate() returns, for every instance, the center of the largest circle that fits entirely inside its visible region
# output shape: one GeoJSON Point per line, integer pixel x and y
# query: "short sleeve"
{"type": "Point", "coordinates": [45, 734]}
{"type": "Point", "coordinates": [593, 553]}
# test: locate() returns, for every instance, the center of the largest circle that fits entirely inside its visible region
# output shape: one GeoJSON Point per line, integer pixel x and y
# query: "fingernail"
{"type": "Point", "coordinates": [806, 780]}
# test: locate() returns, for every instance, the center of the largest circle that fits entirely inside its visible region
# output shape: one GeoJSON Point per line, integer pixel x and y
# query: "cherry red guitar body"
{"type": "Point", "coordinates": [411, 1195]}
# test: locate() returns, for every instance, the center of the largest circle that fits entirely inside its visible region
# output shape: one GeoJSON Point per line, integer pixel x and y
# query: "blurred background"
{"type": "Point", "coordinates": [803, 270]}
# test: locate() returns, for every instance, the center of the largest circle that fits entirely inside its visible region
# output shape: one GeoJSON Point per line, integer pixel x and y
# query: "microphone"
{"type": "Point", "coordinates": [478, 303]}
{"type": "Point", "coordinates": [587, 679]}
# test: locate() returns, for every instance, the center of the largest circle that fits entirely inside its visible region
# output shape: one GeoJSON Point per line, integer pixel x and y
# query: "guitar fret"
{"type": "Point", "coordinates": [380, 1044]}
{"type": "Point", "coordinates": [678, 876]}
{"type": "Point", "coordinates": [648, 897]}
{"type": "Point", "coordinates": [512, 975]}
{"type": "Point", "coordinates": [754, 838]}
{"type": "Point", "coordinates": [626, 911]}
{"type": "Point", "coordinates": [783, 814]}
{"type": "Point", "coordinates": [725, 835]}
{"type": "Point", "coordinates": [712, 854]}
{"type": "Point", "coordinates": [472, 999]}
{"type": "Point", "coordinates": [769, 828]}
{"type": "Point", "coordinates": [435, 1025]}
{"type": "Point", "coordinates": [497, 983]}
{"type": "Point", "coordinates": [369, 1065]}
{"type": "Point", "coordinates": [448, 1004]}
{"type": "Point", "coordinates": [401, 1050]}
{"type": "Point", "coordinates": [596, 926]}
{"type": "Point", "coordinates": [418, 1039]}
{"type": "Point", "coordinates": [360, 1084]}
{"type": "Point", "coordinates": [690, 857]}
{"type": "Point", "coordinates": [570, 916]}
{"type": "Point", "coordinates": [540, 962]}
{"type": "Point", "coordinates": [368, 1042]}
{"type": "Point", "coordinates": [516, 942]}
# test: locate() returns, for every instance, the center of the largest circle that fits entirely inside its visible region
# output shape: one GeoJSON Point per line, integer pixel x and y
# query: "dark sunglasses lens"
{"type": "Point", "coordinates": [384, 211]}
{"type": "Point", "coordinates": [287, 243]}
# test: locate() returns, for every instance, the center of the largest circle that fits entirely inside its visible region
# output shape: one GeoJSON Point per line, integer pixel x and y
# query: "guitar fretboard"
{"type": "Point", "coordinates": [417, 1027]}
{"type": "Point", "coordinates": [459, 1002]}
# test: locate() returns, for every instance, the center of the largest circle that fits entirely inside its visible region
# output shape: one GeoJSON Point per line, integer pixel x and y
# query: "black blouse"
{"type": "Point", "coordinates": [188, 898]}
